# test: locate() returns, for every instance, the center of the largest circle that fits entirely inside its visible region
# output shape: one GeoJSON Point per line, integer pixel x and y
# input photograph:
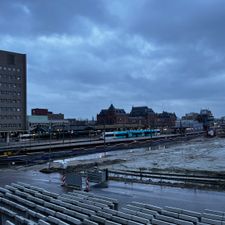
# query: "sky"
{"type": "Point", "coordinates": [84, 55]}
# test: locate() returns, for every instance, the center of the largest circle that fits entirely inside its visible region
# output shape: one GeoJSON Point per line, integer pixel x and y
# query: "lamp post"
{"type": "Point", "coordinates": [104, 135]}
{"type": "Point", "coordinates": [50, 145]}
{"type": "Point", "coordinates": [89, 135]}
{"type": "Point", "coordinates": [104, 143]}
{"type": "Point", "coordinates": [63, 134]}
{"type": "Point", "coordinates": [7, 137]}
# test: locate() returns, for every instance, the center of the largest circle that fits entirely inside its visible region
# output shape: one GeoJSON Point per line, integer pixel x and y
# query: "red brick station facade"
{"type": "Point", "coordinates": [143, 116]}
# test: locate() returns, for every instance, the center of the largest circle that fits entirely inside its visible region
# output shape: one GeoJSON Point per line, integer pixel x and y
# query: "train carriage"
{"type": "Point", "coordinates": [130, 134]}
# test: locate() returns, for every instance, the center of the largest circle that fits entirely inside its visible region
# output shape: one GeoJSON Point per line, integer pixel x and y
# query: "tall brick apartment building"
{"type": "Point", "coordinates": [12, 91]}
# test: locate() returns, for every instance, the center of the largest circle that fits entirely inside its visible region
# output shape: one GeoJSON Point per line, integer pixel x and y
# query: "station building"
{"type": "Point", "coordinates": [112, 116]}
{"type": "Point", "coordinates": [12, 92]}
{"type": "Point", "coordinates": [142, 115]}
{"type": "Point", "coordinates": [139, 117]}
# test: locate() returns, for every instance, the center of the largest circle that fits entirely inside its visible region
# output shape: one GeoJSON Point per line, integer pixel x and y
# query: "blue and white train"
{"type": "Point", "coordinates": [130, 134]}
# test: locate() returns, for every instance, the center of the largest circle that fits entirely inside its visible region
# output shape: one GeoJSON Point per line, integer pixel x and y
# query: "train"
{"type": "Point", "coordinates": [25, 137]}
{"type": "Point", "coordinates": [130, 134]}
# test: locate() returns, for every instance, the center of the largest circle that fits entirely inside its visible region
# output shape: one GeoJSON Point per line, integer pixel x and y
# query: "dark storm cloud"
{"type": "Point", "coordinates": [84, 55]}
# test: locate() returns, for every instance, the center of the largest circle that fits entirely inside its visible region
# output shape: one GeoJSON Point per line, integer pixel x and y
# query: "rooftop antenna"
{"type": "Point", "coordinates": [162, 107]}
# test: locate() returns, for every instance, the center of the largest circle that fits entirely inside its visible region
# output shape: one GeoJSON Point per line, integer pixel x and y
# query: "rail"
{"type": "Point", "coordinates": [38, 153]}
{"type": "Point", "coordinates": [140, 176]}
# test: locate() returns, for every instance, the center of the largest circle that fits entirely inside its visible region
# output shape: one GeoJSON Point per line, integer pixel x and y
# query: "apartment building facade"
{"type": "Point", "coordinates": [13, 104]}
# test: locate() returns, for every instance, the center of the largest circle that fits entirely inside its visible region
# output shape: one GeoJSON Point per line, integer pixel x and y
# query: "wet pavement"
{"type": "Point", "coordinates": [51, 182]}
{"type": "Point", "coordinates": [191, 199]}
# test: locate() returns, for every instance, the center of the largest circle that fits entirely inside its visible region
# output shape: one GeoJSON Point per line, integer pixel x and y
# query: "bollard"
{"type": "Point", "coordinates": [87, 189]}
{"type": "Point", "coordinates": [63, 179]}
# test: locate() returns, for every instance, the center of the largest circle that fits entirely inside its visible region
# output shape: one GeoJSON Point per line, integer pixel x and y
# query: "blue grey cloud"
{"type": "Point", "coordinates": [84, 55]}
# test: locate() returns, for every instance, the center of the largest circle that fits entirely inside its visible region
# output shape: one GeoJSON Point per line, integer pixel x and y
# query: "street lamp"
{"type": "Point", "coordinates": [63, 133]}
{"type": "Point", "coordinates": [50, 147]}
{"type": "Point", "coordinates": [104, 135]}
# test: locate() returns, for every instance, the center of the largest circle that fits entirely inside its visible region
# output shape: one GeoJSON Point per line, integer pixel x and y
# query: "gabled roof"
{"type": "Point", "coordinates": [140, 111]}
{"type": "Point", "coordinates": [112, 109]}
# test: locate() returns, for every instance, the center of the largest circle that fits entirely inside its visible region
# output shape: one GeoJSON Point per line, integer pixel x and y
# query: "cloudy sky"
{"type": "Point", "coordinates": [84, 55]}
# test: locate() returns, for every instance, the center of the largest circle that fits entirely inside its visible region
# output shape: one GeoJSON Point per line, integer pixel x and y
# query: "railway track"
{"type": "Point", "coordinates": [57, 146]}
{"type": "Point", "coordinates": [31, 156]}
{"type": "Point", "coordinates": [170, 179]}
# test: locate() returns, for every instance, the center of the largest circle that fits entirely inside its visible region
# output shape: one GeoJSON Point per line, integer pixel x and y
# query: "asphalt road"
{"type": "Point", "coordinates": [190, 199]}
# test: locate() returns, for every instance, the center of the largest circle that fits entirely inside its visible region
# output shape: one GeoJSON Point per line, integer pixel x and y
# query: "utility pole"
{"type": "Point", "coordinates": [104, 140]}
{"type": "Point", "coordinates": [63, 134]}
{"type": "Point", "coordinates": [104, 135]}
{"type": "Point", "coordinates": [50, 147]}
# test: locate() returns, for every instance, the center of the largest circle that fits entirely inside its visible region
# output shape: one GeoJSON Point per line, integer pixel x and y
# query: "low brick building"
{"type": "Point", "coordinates": [46, 112]}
